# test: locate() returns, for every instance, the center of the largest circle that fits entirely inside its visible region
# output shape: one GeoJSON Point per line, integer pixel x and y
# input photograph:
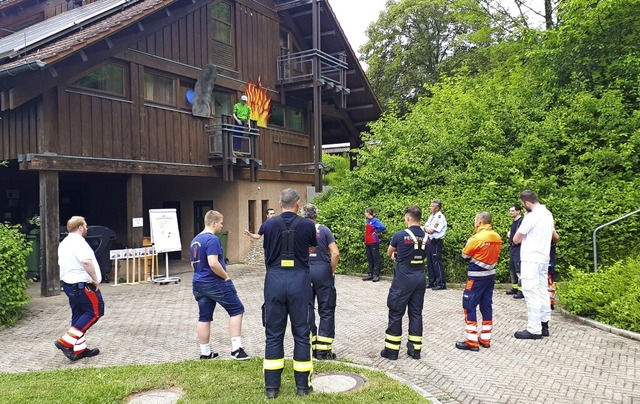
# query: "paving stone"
{"type": "Point", "coordinates": [149, 323]}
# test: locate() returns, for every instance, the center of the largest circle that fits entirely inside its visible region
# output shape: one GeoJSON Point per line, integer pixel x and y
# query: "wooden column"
{"type": "Point", "coordinates": [49, 233]}
{"type": "Point", "coordinates": [317, 96]}
{"type": "Point", "coordinates": [134, 209]}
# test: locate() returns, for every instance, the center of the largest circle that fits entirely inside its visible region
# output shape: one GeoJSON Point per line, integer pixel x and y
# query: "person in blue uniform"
{"type": "Point", "coordinates": [436, 228]}
{"type": "Point", "coordinates": [408, 248]}
{"type": "Point", "coordinates": [288, 240]}
{"type": "Point", "coordinates": [322, 266]}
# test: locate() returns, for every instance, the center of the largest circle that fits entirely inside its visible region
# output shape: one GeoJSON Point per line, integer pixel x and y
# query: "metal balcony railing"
{"type": "Point", "coordinates": [301, 66]}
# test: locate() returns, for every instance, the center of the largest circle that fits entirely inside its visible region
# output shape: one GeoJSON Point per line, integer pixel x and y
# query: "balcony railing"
{"type": "Point", "coordinates": [301, 66]}
{"type": "Point", "coordinates": [233, 146]}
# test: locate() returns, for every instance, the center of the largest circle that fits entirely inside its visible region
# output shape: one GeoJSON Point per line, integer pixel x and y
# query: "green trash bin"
{"type": "Point", "coordinates": [223, 240]}
{"type": "Point", "coordinates": [33, 259]}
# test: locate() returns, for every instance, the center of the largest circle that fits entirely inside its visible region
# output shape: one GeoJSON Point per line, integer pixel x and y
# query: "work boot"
{"type": "Point", "coordinates": [367, 278]}
{"type": "Point", "coordinates": [511, 291]}
{"type": "Point", "coordinates": [375, 278]}
{"type": "Point", "coordinates": [413, 353]}
{"type": "Point", "coordinates": [68, 352]}
{"type": "Point", "coordinates": [389, 354]}
{"type": "Point", "coordinates": [525, 334]}
{"type": "Point", "coordinates": [271, 393]}
{"type": "Point", "coordinates": [463, 345]}
{"type": "Point", "coordinates": [325, 355]}
{"type": "Point", "coordinates": [545, 328]}
{"type": "Point", "coordinates": [305, 391]}
{"type": "Point", "coordinates": [518, 295]}
{"type": "Point", "coordinates": [88, 353]}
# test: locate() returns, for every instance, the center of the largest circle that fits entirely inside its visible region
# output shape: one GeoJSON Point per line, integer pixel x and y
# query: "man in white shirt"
{"type": "Point", "coordinates": [436, 228]}
{"type": "Point", "coordinates": [80, 278]}
{"type": "Point", "coordinates": [535, 234]}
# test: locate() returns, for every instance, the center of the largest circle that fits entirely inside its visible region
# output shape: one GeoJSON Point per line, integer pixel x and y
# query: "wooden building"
{"type": "Point", "coordinates": [110, 108]}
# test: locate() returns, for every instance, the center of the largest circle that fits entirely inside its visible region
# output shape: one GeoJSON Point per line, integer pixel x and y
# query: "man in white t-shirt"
{"type": "Point", "coordinates": [80, 278]}
{"type": "Point", "coordinates": [535, 234]}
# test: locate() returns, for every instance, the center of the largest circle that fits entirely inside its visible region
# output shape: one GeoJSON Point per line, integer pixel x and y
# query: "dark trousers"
{"type": "Point", "coordinates": [434, 263]}
{"type": "Point", "coordinates": [406, 294]}
{"type": "Point", "coordinates": [324, 291]}
{"type": "Point", "coordinates": [239, 136]}
{"type": "Point", "coordinates": [373, 258]}
{"type": "Point", "coordinates": [479, 292]}
{"type": "Point", "coordinates": [86, 305]}
{"type": "Point", "coordinates": [287, 292]}
{"type": "Point", "coordinates": [514, 265]}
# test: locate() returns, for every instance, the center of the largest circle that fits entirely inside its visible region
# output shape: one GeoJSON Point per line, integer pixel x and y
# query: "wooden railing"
{"type": "Point", "coordinates": [232, 146]}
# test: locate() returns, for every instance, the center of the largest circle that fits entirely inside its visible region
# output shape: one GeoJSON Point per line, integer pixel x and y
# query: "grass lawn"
{"type": "Point", "coordinates": [215, 381]}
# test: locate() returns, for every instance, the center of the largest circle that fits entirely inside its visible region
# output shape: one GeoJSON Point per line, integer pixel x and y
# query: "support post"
{"type": "Point", "coordinates": [134, 209]}
{"type": "Point", "coordinates": [49, 233]}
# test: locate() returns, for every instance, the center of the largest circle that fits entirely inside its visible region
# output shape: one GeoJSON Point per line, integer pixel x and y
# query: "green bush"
{"type": "Point", "coordinates": [14, 249]}
{"type": "Point", "coordinates": [610, 296]}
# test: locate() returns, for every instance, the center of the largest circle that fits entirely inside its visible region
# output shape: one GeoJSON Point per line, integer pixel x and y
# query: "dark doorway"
{"type": "Point", "coordinates": [200, 208]}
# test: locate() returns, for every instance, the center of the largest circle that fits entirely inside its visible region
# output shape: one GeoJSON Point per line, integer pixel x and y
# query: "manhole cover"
{"type": "Point", "coordinates": [156, 396]}
{"type": "Point", "coordinates": [337, 382]}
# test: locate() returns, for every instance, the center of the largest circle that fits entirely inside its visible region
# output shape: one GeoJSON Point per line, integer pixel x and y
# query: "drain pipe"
{"type": "Point", "coordinates": [30, 66]}
{"type": "Point", "coordinates": [595, 245]}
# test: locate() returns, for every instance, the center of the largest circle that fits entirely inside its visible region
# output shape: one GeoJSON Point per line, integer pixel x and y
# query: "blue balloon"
{"type": "Point", "coordinates": [190, 96]}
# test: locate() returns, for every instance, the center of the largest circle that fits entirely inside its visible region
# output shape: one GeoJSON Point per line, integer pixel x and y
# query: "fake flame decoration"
{"type": "Point", "coordinates": [259, 102]}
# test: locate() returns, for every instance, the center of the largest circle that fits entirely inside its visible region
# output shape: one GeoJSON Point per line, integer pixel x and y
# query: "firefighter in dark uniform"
{"type": "Point", "coordinates": [408, 249]}
{"type": "Point", "coordinates": [322, 268]}
{"type": "Point", "coordinates": [288, 240]}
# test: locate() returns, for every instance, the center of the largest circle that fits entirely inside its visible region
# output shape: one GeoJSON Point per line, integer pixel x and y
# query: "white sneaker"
{"type": "Point", "coordinates": [240, 355]}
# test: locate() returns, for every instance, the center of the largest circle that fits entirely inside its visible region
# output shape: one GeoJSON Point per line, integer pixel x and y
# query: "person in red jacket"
{"type": "Point", "coordinates": [482, 250]}
{"type": "Point", "coordinates": [373, 227]}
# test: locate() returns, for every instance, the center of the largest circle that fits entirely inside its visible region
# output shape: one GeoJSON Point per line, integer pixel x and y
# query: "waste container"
{"type": "Point", "coordinates": [33, 259]}
{"type": "Point", "coordinates": [223, 240]}
{"type": "Point", "coordinates": [101, 239]}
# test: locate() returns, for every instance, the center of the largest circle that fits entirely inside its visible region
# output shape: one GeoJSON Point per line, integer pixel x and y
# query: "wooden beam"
{"type": "Point", "coordinates": [134, 210]}
{"type": "Point", "coordinates": [113, 166]}
{"type": "Point", "coordinates": [291, 5]}
{"type": "Point", "coordinates": [49, 233]}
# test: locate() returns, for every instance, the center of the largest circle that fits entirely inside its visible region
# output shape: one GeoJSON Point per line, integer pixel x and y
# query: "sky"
{"type": "Point", "coordinates": [355, 16]}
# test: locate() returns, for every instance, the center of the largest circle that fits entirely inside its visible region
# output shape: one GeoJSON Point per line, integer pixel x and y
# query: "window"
{"type": "Point", "coordinates": [294, 120]}
{"type": "Point", "coordinates": [187, 94]}
{"type": "Point", "coordinates": [106, 79]}
{"type": "Point", "coordinates": [221, 15]}
{"type": "Point", "coordinates": [159, 89]}
{"type": "Point", "coordinates": [222, 103]}
{"type": "Point", "coordinates": [277, 115]}
{"type": "Point", "coordinates": [287, 117]}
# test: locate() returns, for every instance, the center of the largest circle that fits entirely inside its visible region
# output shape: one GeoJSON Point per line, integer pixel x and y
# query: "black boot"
{"type": "Point", "coordinates": [545, 328]}
{"type": "Point", "coordinates": [389, 354]}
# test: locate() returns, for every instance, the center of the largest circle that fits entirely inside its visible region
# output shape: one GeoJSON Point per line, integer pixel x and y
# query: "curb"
{"type": "Point", "coordinates": [604, 327]}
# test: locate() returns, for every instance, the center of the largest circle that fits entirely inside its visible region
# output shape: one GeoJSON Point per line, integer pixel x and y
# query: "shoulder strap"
{"type": "Point", "coordinates": [416, 245]}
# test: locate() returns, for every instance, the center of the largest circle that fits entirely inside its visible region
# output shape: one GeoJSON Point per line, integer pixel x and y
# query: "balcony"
{"type": "Point", "coordinates": [231, 147]}
{"type": "Point", "coordinates": [298, 71]}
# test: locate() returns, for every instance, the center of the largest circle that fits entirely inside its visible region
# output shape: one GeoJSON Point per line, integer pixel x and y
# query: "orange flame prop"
{"type": "Point", "coordinates": [259, 102]}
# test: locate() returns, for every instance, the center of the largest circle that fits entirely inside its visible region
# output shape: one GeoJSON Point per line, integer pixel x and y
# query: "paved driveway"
{"type": "Point", "coordinates": [149, 323]}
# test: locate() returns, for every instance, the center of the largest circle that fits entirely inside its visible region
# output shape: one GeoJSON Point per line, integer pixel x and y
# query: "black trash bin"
{"type": "Point", "coordinates": [101, 240]}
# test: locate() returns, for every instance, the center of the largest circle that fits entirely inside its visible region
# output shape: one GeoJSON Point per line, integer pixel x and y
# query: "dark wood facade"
{"type": "Point", "coordinates": [52, 126]}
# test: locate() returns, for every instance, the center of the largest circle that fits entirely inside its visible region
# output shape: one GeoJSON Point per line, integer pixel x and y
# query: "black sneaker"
{"type": "Point", "coordinates": [525, 334]}
{"type": "Point", "coordinates": [68, 352]}
{"type": "Point", "coordinates": [518, 295]}
{"type": "Point", "coordinates": [367, 278]}
{"type": "Point", "coordinates": [376, 278]}
{"type": "Point", "coordinates": [305, 391]}
{"type": "Point", "coordinates": [240, 355]}
{"type": "Point", "coordinates": [271, 393]}
{"type": "Point", "coordinates": [212, 355]}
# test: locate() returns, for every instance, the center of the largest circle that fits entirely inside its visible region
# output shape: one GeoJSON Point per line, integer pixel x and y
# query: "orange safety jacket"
{"type": "Point", "coordinates": [483, 250]}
